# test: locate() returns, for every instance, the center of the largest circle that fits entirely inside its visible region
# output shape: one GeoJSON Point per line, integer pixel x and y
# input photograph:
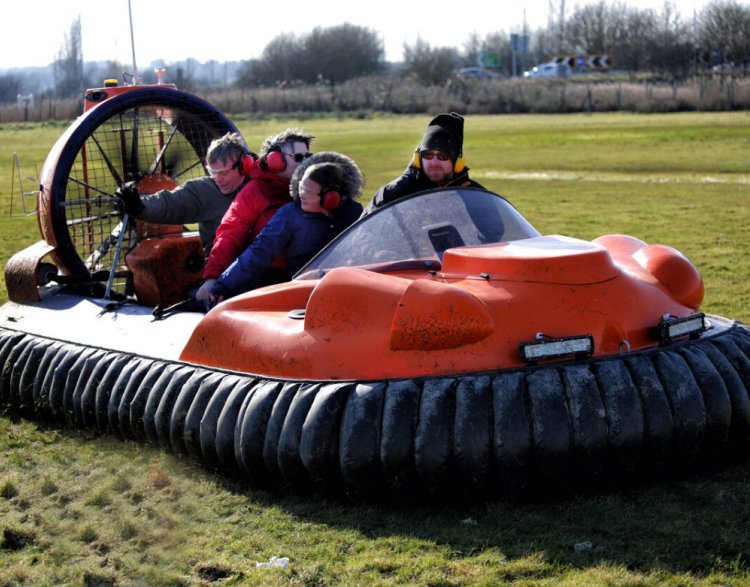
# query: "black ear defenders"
{"type": "Point", "coordinates": [458, 166]}
{"type": "Point", "coordinates": [330, 199]}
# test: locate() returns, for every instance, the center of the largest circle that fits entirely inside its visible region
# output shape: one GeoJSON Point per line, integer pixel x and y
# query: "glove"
{"type": "Point", "coordinates": [219, 292]}
{"type": "Point", "coordinates": [129, 200]}
{"type": "Point", "coordinates": [204, 292]}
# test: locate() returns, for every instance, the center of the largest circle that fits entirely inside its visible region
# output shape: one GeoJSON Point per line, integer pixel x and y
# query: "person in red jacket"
{"type": "Point", "coordinates": [257, 202]}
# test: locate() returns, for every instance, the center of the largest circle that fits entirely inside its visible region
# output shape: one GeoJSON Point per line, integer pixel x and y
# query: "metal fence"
{"type": "Point", "coordinates": [471, 96]}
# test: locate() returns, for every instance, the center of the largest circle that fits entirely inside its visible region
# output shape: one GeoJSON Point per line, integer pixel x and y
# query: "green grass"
{"type": "Point", "coordinates": [77, 509]}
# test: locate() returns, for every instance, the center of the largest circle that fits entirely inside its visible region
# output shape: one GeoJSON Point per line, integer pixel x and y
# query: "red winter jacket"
{"type": "Point", "coordinates": [251, 209]}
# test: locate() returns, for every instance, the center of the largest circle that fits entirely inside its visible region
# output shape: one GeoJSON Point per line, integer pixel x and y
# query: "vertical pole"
{"type": "Point", "coordinates": [136, 79]}
{"type": "Point", "coordinates": [116, 256]}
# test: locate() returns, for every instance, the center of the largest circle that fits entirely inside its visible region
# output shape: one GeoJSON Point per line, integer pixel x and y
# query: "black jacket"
{"type": "Point", "coordinates": [412, 181]}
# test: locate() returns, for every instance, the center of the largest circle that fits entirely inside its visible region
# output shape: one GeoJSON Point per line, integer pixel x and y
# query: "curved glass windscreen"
{"type": "Point", "coordinates": [415, 231]}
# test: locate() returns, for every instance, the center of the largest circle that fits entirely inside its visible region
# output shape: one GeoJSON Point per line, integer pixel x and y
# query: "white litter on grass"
{"type": "Point", "coordinates": [281, 562]}
{"type": "Point", "coordinates": [579, 546]}
{"type": "Point", "coordinates": [469, 522]}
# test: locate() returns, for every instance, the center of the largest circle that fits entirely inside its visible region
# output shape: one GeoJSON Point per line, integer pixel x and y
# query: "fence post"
{"type": "Point", "coordinates": [562, 98]}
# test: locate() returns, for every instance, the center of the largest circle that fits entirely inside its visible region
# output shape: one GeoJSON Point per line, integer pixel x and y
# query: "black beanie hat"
{"type": "Point", "coordinates": [445, 133]}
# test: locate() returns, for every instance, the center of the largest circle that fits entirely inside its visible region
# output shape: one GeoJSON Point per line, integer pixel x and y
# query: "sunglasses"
{"type": "Point", "coordinates": [298, 157]}
{"type": "Point", "coordinates": [430, 155]}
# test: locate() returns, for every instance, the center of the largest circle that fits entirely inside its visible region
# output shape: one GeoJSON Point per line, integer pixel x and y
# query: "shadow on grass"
{"type": "Point", "coordinates": [696, 524]}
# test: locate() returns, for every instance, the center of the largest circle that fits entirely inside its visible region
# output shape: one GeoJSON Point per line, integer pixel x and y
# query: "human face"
{"type": "Point", "coordinates": [226, 175]}
{"type": "Point", "coordinates": [309, 195]}
{"type": "Point", "coordinates": [437, 166]}
{"type": "Point", "coordinates": [295, 155]}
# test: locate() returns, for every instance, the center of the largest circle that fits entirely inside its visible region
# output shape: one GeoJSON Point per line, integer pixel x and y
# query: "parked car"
{"type": "Point", "coordinates": [478, 73]}
{"type": "Point", "coordinates": [551, 69]}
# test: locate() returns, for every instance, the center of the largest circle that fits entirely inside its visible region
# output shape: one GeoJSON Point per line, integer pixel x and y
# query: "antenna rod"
{"type": "Point", "coordinates": [132, 45]}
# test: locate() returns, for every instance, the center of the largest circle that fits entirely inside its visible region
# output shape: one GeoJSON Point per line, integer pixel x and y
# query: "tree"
{"type": "Point", "coordinates": [11, 85]}
{"type": "Point", "coordinates": [282, 60]}
{"type": "Point", "coordinates": [725, 27]}
{"type": "Point", "coordinates": [631, 49]}
{"type": "Point", "coordinates": [428, 65]}
{"type": "Point", "coordinates": [593, 28]}
{"type": "Point", "coordinates": [556, 23]}
{"type": "Point", "coordinates": [670, 48]}
{"type": "Point", "coordinates": [184, 77]}
{"type": "Point", "coordinates": [335, 54]}
{"type": "Point", "coordinates": [362, 53]}
{"type": "Point", "coordinates": [68, 65]}
{"type": "Point", "coordinates": [543, 44]}
{"type": "Point", "coordinates": [96, 72]}
{"type": "Point", "coordinates": [247, 74]}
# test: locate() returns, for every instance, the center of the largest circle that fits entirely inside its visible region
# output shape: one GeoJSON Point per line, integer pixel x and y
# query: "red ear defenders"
{"type": "Point", "coordinates": [274, 161]}
{"type": "Point", "coordinates": [330, 199]}
{"type": "Point", "coordinates": [458, 166]}
{"type": "Point", "coordinates": [245, 164]}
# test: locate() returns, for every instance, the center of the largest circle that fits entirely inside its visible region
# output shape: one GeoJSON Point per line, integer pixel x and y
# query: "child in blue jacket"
{"type": "Point", "coordinates": [324, 188]}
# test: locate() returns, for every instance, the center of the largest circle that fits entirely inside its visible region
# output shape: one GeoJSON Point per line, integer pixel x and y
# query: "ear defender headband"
{"type": "Point", "coordinates": [330, 199]}
{"type": "Point", "coordinates": [458, 166]}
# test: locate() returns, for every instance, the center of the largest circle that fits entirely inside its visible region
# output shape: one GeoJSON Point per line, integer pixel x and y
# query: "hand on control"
{"type": "Point", "coordinates": [129, 200]}
{"type": "Point", "coordinates": [204, 291]}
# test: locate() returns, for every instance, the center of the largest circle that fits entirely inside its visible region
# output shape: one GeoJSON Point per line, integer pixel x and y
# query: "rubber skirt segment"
{"type": "Point", "coordinates": [488, 435]}
{"type": "Point", "coordinates": [398, 430]}
{"type": "Point", "coordinates": [251, 429]}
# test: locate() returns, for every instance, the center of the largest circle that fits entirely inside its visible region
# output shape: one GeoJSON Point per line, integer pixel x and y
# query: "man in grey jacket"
{"type": "Point", "coordinates": [203, 200]}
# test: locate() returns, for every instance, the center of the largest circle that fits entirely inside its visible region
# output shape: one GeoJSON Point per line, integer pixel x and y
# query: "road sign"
{"type": "Point", "coordinates": [519, 43]}
{"type": "Point", "coordinates": [488, 59]}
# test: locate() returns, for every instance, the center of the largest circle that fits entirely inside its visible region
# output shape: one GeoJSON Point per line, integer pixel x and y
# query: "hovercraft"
{"type": "Point", "coordinates": [439, 346]}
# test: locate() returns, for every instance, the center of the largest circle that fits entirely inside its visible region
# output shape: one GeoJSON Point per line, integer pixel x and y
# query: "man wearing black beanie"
{"type": "Point", "coordinates": [437, 162]}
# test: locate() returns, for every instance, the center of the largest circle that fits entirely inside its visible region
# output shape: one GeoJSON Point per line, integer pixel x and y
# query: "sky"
{"type": "Point", "coordinates": [34, 30]}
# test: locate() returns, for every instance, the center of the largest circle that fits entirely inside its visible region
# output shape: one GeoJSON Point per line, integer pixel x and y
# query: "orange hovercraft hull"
{"type": "Point", "coordinates": [468, 318]}
{"type": "Point", "coordinates": [439, 347]}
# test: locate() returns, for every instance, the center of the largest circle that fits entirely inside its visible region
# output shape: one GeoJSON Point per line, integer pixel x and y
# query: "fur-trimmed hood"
{"type": "Point", "coordinates": [354, 180]}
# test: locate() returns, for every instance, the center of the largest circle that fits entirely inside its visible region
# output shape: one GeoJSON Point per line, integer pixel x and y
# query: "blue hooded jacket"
{"type": "Point", "coordinates": [292, 231]}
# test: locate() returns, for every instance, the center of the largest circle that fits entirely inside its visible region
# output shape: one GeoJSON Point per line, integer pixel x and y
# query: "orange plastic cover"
{"type": "Point", "coordinates": [471, 317]}
{"type": "Point", "coordinates": [164, 268]}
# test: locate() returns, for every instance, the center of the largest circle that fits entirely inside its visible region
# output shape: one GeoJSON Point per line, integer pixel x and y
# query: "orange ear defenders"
{"type": "Point", "coordinates": [274, 161]}
{"type": "Point", "coordinates": [458, 166]}
{"type": "Point", "coordinates": [330, 199]}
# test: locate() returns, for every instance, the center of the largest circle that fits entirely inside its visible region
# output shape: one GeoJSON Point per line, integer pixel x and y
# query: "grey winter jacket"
{"type": "Point", "coordinates": [197, 201]}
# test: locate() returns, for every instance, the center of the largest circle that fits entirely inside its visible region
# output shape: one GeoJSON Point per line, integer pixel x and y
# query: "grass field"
{"type": "Point", "coordinates": [79, 510]}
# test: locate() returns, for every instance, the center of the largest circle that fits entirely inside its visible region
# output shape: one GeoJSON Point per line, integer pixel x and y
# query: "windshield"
{"type": "Point", "coordinates": [415, 231]}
